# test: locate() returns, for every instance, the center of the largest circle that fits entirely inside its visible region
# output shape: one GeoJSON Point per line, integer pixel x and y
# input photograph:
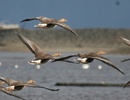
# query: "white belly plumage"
{"type": "Point", "coordinates": [34, 62]}
{"type": "Point", "coordinates": [82, 60]}
{"type": "Point", "coordinates": [40, 25]}
{"type": "Point", "coordinates": [39, 62]}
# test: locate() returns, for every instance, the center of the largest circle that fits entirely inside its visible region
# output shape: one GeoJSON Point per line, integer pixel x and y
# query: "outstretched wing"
{"type": "Point", "coordinates": [125, 60]}
{"type": "Point", "coordinates": [4, 80]}
{"type": "Point", "coordinates": [64, 58]}
{"type": "Point", "coordinates": [64, 26]}
{"type": "Point", "coordinates": [28, 19]}
{"type": "Point", "coordinates": [11, 94]}
{"type": "Point", "coordinates": [126, 84]}
{"type": "Point", "coordinates": [108, 62]}
{"type": "Point", "coordinates": [8, 81]}
{"type": "Point", "coordinates": [31, 45]}
{"type": "Point", "coordinates": [69, 61]}
{"type": "Point", "coordinates": [38, 86]}
{"type": "Point", "coordinates": [125, 41]}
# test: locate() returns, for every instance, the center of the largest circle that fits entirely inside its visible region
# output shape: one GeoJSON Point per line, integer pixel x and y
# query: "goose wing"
{"type": "Point", "coordinates": [28, 19]}
{"type": "Point", "coordinates": [125, 60]}
{"type": "Point", "coordinates": [107, 61]}
{"type": "Point", "coordinates": [4, 80]}
{"type": "Point", "coordinates": [65, 26]}
{"type": "Point", "coordinates": [125, 41]}
{"type": "Point", "coordinates": [69, 61]}
{"type": "Point", "coordinates": [38, 86]}
{"type": "Point", "coordinates": [126, 84]}
{"type": "Point", "coordinates": [11, 94]}
{"type": "Point", "coordinates": [31, 45]}
{"type": "Point", "coordinates": [64, 58]}
{"type": "Point", "coordinates": [8, 81]}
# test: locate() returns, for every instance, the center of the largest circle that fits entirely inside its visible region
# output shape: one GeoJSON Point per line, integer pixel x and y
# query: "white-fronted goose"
{"type": "Point", "coordinates": [8, 90]}
{"type": "Point", "coordinates": [127, 42]}
{"type": "Point", "coordinates": [19, 85]}
{"type": "Point", "coordinates": [47, 23]}
{"type": "Point", "coordinates": [40, 56]}
{"type": "Point", "coordinates": [88, 58]}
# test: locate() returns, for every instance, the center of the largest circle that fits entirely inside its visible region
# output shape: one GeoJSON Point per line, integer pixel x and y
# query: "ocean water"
{"type": "Point", "coordinates": [14, 65]}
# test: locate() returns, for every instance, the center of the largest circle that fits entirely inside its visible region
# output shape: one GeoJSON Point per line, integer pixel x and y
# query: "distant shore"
{"type": "Point", "coordinates": [55, 40]}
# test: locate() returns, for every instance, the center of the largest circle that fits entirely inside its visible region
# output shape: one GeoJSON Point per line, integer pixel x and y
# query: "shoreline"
{"type": "Point", "coordinates": [77, 50]}
{"type": "Point", "coordinates": [90, 40]}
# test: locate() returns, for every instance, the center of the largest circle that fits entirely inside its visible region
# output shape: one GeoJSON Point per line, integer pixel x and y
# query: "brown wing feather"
{"type": "Point", "coordinates": [10, 82]}
{"type": "Point", "coordinates": [7, 80]}
{"type": "Point", "coordinates": [108, 62]}
{"type": "Point", "coordinates": [48, 20]}
{"type": "Point", "coordinates": [125, 41]}
{"type": "Point", "coordinates": [31, 45]}
{"type": "Point", "coordinates": [65, 26]}
{"type": "Point", "coordinates": [11, 94]}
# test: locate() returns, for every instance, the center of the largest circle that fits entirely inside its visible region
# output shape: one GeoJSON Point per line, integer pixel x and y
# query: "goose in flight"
{"type": "Point", "coordinates": [88, 58]}
{"type": "Point", "coordinates": [40, 56]}
{"type": "Point", "coordinates": [47, 23]}
{"type": "Point", "coordinates": [19, 85]}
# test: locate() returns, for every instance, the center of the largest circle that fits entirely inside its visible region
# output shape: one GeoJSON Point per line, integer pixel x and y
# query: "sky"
{"type": "Point", "coordinates": [79, 13]}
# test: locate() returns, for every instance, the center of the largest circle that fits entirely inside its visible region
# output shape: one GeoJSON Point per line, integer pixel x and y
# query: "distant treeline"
{"type": "Point", "coordinates": [55, 39]}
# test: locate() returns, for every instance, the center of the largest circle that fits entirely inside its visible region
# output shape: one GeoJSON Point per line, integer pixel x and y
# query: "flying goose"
{"type": "Point", "coordinates": [19, 85]}
{"type": "Point", "coordinates": [88, 58]}
{"type": "Point", "coordinates": [47, 23]}
{"type": "Point", "coordinates": [127, 42]}
{"type": "Point", "coordinates": [40, 56]}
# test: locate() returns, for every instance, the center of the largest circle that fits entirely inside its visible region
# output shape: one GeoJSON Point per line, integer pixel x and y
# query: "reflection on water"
{"type": "Point", "coordinates": [38, 66]}
{"type": "Point", "coordinates": [99, 66]}
{"type": "Point", "coordinates": [85, 66]}
{"type": "Point", "coordinates": [15, 65]}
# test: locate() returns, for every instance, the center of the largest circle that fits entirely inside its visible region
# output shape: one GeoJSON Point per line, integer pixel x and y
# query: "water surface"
{"type": "Point", "coordinates": [14, 65]}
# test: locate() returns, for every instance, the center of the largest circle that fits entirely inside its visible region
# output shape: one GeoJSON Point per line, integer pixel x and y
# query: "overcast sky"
{"type": "Point", "coordinates": [79, 13]}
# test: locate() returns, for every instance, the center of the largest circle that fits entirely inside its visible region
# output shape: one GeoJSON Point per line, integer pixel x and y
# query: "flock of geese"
{"type": "Point", "coordinates": [42, 57]}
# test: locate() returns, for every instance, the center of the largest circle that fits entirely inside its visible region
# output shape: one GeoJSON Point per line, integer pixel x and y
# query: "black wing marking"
{"type": "Point", "coordinates": [69, 61]}
{"type": "Point", "coordinates": [65, 26]}
{"type": "Point", "coordinates": [28, 19]}
{"type": "Point", "coordinates": [64, 58]}
{"type": "Point", "coordinates": [108, 62]}
{"type": "Point", "coordinates": [126, 84]}
{"type": "Point", "coordinates": [125, 60]}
